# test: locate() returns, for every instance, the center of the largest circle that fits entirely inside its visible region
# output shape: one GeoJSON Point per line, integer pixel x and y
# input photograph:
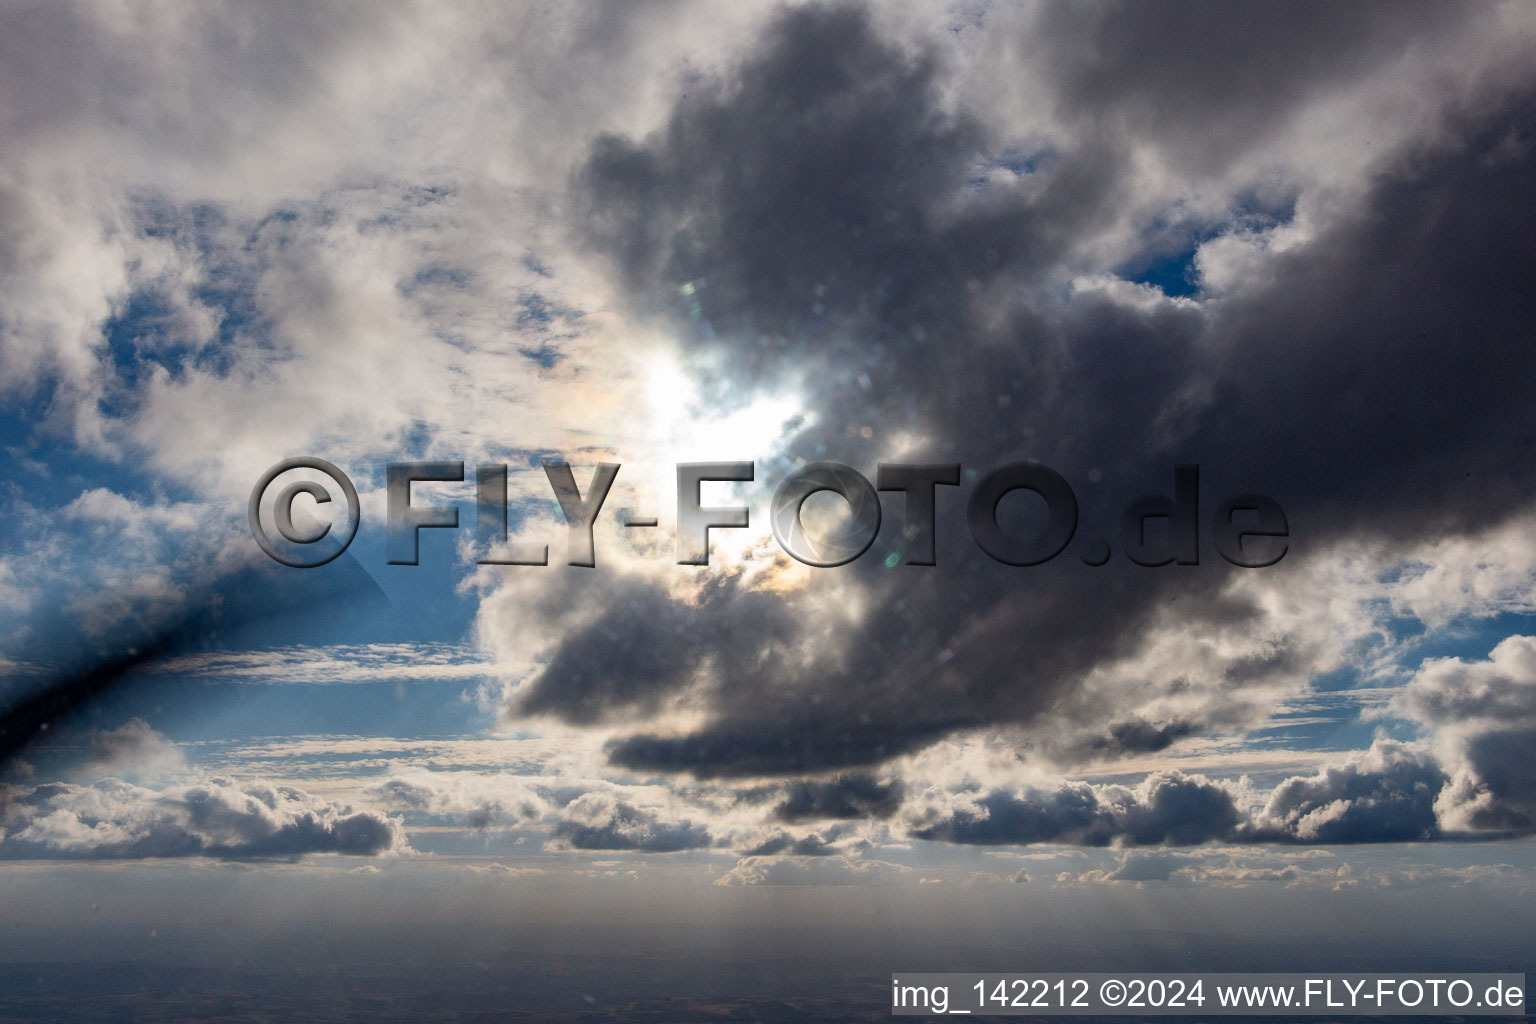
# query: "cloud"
{"type": "Point", "coordinates": [506, 871]}
{"type": "Point", "coordinates": [337, 663]}
{"type": "Point", "coordinates": [1104, 238]}
{"type": "Point", "coordinates": [1174, 809]}
{"type": "Point", "coordinates": [219, 818]}
{"type": "Point", "coordinates": [785, 844]}
{"type": "Point", "coordinates": [1394, 792]}
{"type": "Point", "coordinates": [15, 596]}
{"type": "Point", "coordinates": [1483, 717]}
{"type": "Point", "coordinates": [844, 796]}
{"type": "Point", "coordinates": [132, 749]}
{"type": "Point", "coordinates": [752, 870]}
{"type": "Point", "coordinates": [477, 800]}
{"type": "Point", "coordinates": [1496, 788]}
{"type": "Point", "coordinates": [811, 224]}
{"type": "Point", "coordinates": [1234, 871]}
{"type": "Point", "coordinates": [1145, 867]}
{"type": "Point", "coordinates": [1385, 795]}
{"type": "Point", "coordinates": [1118, 67]}
{"type": "Point", "coordinates": [1140, 868]}
{"type": "Point", "coordinates": [601, 821]}
{"type": "Point", "coordinates": [1453, 691]}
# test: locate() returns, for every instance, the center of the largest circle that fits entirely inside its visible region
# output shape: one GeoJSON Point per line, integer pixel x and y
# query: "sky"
{"type": "Point", "coordinates": [1289, 245]}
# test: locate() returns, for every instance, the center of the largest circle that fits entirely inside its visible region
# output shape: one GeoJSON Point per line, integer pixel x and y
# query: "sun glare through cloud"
{"type": "Point", "coordinates": [604, 512]}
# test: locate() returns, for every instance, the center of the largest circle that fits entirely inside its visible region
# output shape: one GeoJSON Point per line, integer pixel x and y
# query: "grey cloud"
{"type": "Point", "coordinates": [821, 201]}
{"type": "Point", "coordinates": [643, 646]}
{"type": "Point", "coordinates": [811, 871]}
{"type": "Point", "coordinates": [1501, 791]}
{"type": "Point", "coordinates": [1203, 80]}
{"type": "Point", "coordinates": [845, 796]}
{"type": "Point", "coordinates": [1146, 867]}
{"type": "Point", "coordinates": [113, 819]}
{"type": "Point", "coordinates": [1483, 714]}
{"type": "Point", "coordinates": [1167, 809]}
{"type": "Point", "coordinates": [787, 845]}
{"type": "Point", "coordinates": [277, 56]}
{"type": "Point", "coordinates": [1136, 737]}
{"type": "Point", "coordinates": [479, 801]}
{"type": "Point", "coordinates": [1500, 689]}
{"type": "Point", "coordinates": [1391, 793]}
{"type": "Point", "coordinates": [800, 739]}
{"type": "Point", "coordinates": [133, 748]}
{"type": "Point", "coordinates": [818, 201]}
{"type": "Point", "coordinates": [1386, 795]}
{"type": "Point", "coordinates": [811, 175]}
{"type": "Point", "coordinates": [599, 821]}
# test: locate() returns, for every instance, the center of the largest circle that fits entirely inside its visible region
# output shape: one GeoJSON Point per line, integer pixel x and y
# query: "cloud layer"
{"type": "Point", "coordinates": [113, 819]}
{"type": "Point", "coordinates": [1290, 246]}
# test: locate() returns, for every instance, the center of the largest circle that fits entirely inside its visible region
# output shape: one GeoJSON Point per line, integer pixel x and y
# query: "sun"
{"type": "Point", "coordinates": [680, 426]}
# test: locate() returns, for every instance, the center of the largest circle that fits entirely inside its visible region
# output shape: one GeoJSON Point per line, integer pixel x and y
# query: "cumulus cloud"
{"type": "Point", "coordinates": [601, 821]}
{"type": "Point", "coordinates": [1394, 792]}
{"type": "Point", "coordinates": [1174, 809]}
{"type": "Point", "coordinates": [1385, 795]}
{"type": "Point", "coordinates": [1453, 691]}
{"type": "Point", "coordinates": [1483, 717]}
{"type": "Point", "coordinates": [1240, 870]}
{"type": "Point", "coordinates": [220, 818]}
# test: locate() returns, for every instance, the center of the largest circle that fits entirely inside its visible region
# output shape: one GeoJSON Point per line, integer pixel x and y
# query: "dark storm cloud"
{"type": "Point", "coordinates": [1387, 796]}
{"type": "Point", "coordinates": [113, 819]}
{"type": "Point", "coordinates": [1205, 79]}
{"type": "Point", "coordinates": [1170, 809]}
{"type": "Point", "coordinates": [846, 796]}
{"type": "Point", "coordinates": [819, 204]}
